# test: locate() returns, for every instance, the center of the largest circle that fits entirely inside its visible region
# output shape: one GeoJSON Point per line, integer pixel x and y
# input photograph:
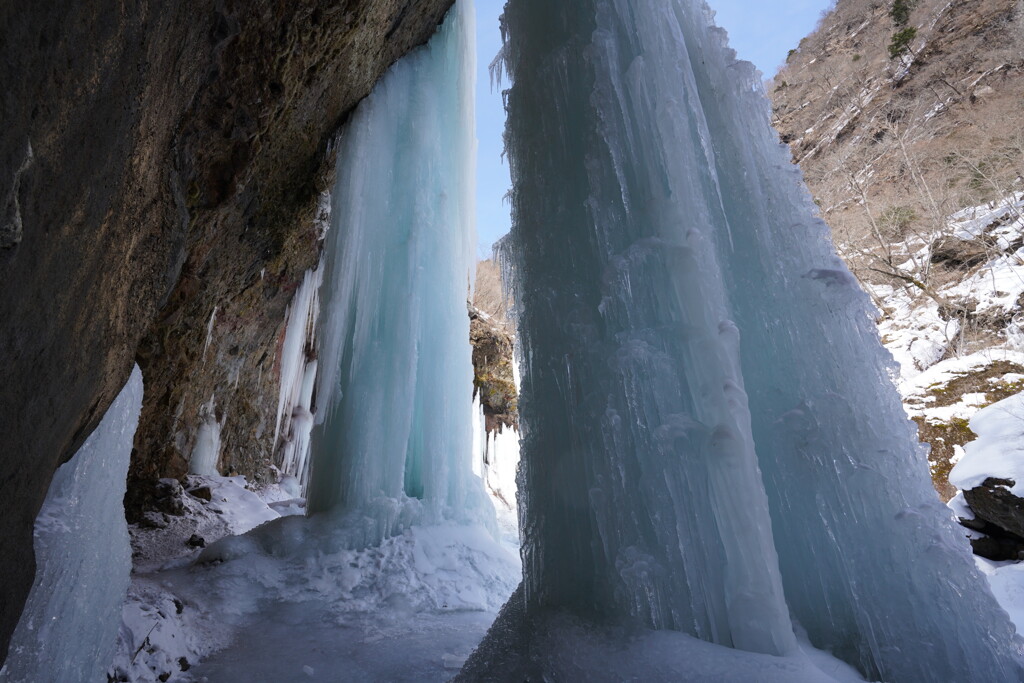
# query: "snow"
{"type": "Point", "coordinates": [1007, 582]}
{"type": "Point", "coordinates": [496, 462]}
{"type": "Point", "coordinates": [998, 451]}
{"type": "Point", "coordinates": [292, 593]}
{"type": "Point", "coordinates": [70, 621]}
{"type": "Point", "coordinates": [915, 332]}
{"type": "Point", "coordinates": [244, 603]}
{"type": "Point", "coordinates": [950, 369]}
{"type": "Point", "coordinates": [712, 442]}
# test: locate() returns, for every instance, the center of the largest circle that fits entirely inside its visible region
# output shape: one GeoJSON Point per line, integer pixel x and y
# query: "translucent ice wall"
{"type": "Point", "coordinates": [394, 438]}
{"type": "Point", "coordinates": [710, 437]}
{"type": "Point", "coordinates": [68, 629]}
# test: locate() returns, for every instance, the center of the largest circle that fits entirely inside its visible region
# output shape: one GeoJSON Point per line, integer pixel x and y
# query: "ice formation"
{"type": "Point", "coordinates": [68, 628]}
{"type": "Point", "coordinates": [392, 444]}
{"type": "Point", "coordinates": [206, 450]}
{"type": "Point", "coordinates": [298, 376]}
{"type": "Point", "coordinates": [711, 440]}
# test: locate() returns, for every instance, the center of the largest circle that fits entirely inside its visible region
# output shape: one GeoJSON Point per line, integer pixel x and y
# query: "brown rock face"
{"type": "Point", "coordinates": [891, 143]}
{"type": "Point", "coordinates": [160, 165]}
{"type": "Point", "coordinates": [493, 378]}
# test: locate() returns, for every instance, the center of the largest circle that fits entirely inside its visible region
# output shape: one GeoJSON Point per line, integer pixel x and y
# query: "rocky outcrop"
{"type": "Point", "coordinates": [493, 375]}
{"type": "Point", "coordinates": [1000, 516]}
{"type": "Point", "coordinates": [160, 169]}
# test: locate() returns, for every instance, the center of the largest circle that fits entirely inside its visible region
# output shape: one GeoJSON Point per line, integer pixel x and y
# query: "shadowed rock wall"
{"type": "Point", "coordinates": [160, 165]}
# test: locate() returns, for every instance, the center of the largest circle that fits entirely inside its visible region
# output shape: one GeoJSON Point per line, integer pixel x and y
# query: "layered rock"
{"type": "Point", "coordinates": [160, 172]}
{"type": "Point", "coordinates": [493, 374]}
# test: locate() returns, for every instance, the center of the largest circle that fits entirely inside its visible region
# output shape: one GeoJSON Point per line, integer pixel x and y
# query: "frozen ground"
{"type": "Point", "coordinates": [289, 601]}
{"type": "Point", "coordinates": [295, 643]}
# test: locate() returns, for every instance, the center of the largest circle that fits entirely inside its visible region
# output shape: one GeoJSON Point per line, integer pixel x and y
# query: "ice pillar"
{"type": "Point", "coordinates": [394, 438]}
{"type": "Point", "coordinates": [643, 496]}
{"type": "Point", "coordinates": [688, 326]}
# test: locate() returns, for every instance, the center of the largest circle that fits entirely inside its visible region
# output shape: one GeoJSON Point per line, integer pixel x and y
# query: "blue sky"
{"type": "Point", "coordinates": [759, 31]}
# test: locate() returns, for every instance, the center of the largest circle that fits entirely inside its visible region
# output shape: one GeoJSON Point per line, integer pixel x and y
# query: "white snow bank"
{"type": "Point", "coordinates": [234, 508]}
{"type": "Point", "coordinates": [913, 332]}
{"type": "Point", "coordinates": [1006, 579]}
{"type": "Point", "coordinates": [999, 450]}
{"type": "Point", "coordinates": [240, 508]}
{"type": "Point", "coordinates": [71, 618]}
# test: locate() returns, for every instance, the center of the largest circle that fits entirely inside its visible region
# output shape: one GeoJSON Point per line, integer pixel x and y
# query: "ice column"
{"type": "Point", "coordinates": [874, 566]}
{"type": "Point", "coordinates": [206, 450]}
{"type": "Point", "coordinates": [394, 435]}
{"type": "Point", "coordinates": [657, 222]}
{"type": "Point", "coordinates": [68, 629]}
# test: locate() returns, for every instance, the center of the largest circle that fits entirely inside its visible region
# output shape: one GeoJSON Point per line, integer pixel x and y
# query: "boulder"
{"type": "Point", "coordinates": [993, 503]}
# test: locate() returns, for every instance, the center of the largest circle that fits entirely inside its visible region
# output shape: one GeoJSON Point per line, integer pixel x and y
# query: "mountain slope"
{"type": "Point", "coordinates": [905, 118]}
{"type": "Point", "coordinates": [891, 145]}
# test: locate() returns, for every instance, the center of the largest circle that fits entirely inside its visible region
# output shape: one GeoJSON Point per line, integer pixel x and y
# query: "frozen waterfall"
{"type": "Point", "coordinates": [69, 625]}
{"type": "Point", "coordinates": [711, 441]}
{"type": "Point", "coordinates": [393, 441]}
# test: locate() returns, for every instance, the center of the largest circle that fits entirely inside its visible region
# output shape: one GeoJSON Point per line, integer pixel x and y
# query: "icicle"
{"type": "Point", "coordinates": [209, 332]}
{"type": "Point", "coordinates": [296, 350]}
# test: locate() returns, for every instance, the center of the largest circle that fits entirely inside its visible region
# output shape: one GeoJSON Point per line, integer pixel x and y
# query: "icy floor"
{"type": "Point", "coordinates": [292, 643]}
{"type": "Point", "coordinates": [289, 600]}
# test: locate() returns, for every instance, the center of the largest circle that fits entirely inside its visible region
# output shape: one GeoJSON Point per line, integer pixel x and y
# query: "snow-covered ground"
{"type": "Point", "coordinates": [277, 596]}
{"type": "Point", "coordinates": [938, 348]}
{"type": "Point", "coordinates": [913, 329]}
